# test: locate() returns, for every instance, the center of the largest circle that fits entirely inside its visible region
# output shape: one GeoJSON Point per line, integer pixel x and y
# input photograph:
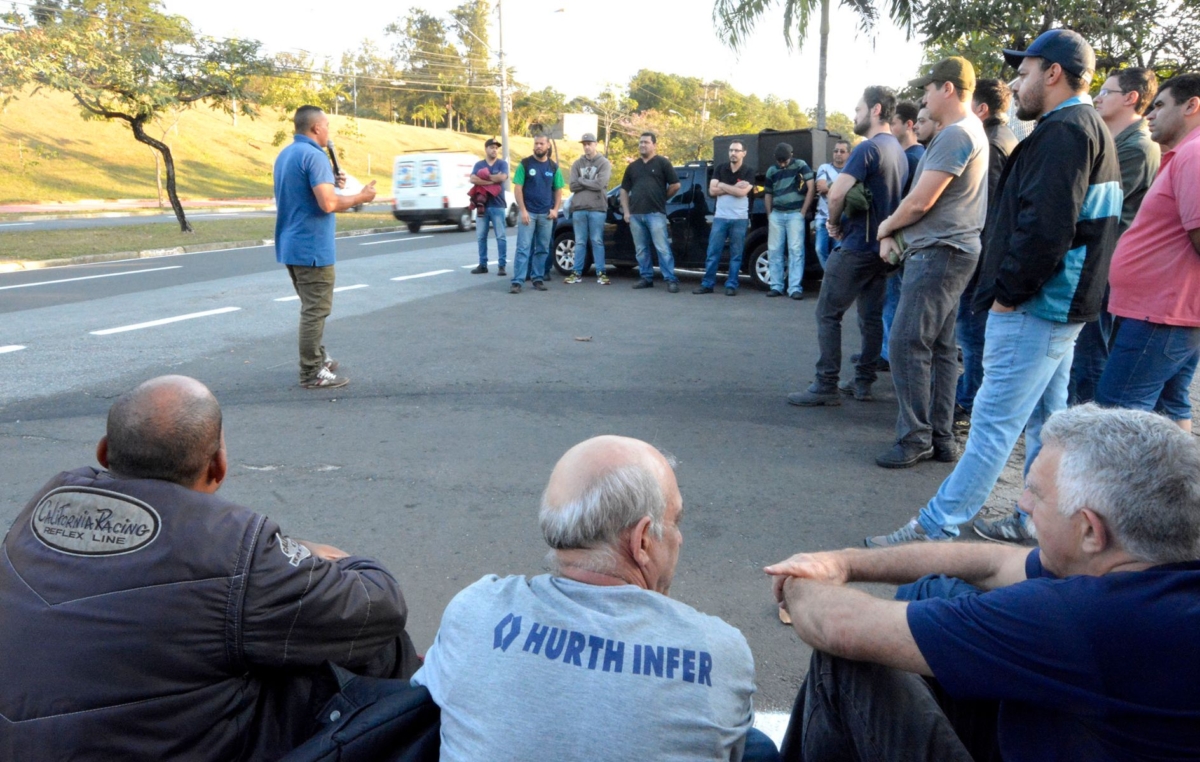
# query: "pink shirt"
{"type": "Point", "coordinates": [1155, 273]}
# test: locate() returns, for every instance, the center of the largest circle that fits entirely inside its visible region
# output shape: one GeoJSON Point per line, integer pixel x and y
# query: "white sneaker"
{"type": "Point", "coordinates": [325, 379]}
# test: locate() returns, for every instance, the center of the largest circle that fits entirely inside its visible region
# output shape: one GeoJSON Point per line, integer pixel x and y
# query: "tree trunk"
{"type": "Point", "coordinates": [822, 66]}
{"type": "Point", "coordinates": [158, 176]}
{"type": "Point", "coordinates": [139, 132]}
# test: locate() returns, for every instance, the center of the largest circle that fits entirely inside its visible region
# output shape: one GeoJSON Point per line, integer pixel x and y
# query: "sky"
{"type": "Point", "coordinates": [579, 47]}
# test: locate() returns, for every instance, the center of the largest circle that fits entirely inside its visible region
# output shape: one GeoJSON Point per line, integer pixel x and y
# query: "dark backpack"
{"type": "Point", "coordinates": [373, 720]}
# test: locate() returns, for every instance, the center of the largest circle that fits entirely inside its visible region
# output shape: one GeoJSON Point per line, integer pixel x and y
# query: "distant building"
{"type": "Point", "coordinates": [573, 126]}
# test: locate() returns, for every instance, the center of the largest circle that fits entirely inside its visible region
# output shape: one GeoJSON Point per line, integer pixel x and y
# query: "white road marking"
{"type": "Point", "coordinates": [472, 267]}
{"type": "Point", "coordinates": [396, 240]}
{"type": "Point", "coordinates": [165, 321]}
{"type": "Point", "coordinates": [90, 277]}
{"type": "Point", "coordinates": [13, 224]}
{"type": "Point", "coordinates": [11, 348]}
{"type": "Point", "coordinates": [294, 298]}
{"type": "Point", "coordinates": [774, 724]}
{"type": "Point", "coordinates": [423, 275]}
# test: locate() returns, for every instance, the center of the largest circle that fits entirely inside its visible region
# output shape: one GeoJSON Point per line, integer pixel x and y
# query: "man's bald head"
{"type": "Point", "coordinates": [167, 428]}
{"type": "Point", "coordinates": [601, 487]}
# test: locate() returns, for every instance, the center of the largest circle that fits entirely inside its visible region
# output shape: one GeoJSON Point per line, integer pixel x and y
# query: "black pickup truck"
{"type": "Point", "coordinates": [689, 217]}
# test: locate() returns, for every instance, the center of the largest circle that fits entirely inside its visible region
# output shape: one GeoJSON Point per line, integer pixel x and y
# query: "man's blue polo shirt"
{"type": "Point", "coordinates": [303, 232]}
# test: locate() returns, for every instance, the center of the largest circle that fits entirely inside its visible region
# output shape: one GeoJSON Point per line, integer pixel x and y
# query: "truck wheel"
{"type": "Point", "coordinates": [563, 253]}
{"type": "Point", "coordinates": [510, 219]}
{"type": "Point", "coordinates": [760, 267]}
{"type": "Point", "coordinates": [414, 227]}
{"type": "Point", "coordinates": [464, 220]}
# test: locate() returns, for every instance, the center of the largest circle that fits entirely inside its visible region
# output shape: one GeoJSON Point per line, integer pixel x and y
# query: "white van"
{"type": "Point", "coordinates": [432, 188]}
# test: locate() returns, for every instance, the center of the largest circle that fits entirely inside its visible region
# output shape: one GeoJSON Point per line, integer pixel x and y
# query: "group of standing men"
{"type": "Point", "coordinates": [1005, 251]}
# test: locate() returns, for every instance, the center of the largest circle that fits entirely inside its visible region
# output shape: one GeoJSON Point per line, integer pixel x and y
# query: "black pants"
{"type": "Point", "coordinates": [858, 711]}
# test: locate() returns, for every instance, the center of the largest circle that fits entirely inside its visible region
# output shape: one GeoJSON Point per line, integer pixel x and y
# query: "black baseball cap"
{"type": "Point", "coordinates": [491, 142]}
{"type": "Point", "coordinates": [1061, 46]}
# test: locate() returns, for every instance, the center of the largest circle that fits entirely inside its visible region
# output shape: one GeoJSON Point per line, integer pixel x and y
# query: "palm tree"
{"type": "Point", "coordinates": [428, 112]}
{"type": "Point", "coordinates": [735, 20]}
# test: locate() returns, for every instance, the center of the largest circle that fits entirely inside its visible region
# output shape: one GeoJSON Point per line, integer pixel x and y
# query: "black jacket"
{"type": "Point", "coordinates": [142, 621]}
{"type": "Point", "coordinates": [1052, 229]}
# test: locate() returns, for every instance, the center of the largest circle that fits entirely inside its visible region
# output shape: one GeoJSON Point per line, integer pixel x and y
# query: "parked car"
{"type": "Point", "coordinates": [689, 221]}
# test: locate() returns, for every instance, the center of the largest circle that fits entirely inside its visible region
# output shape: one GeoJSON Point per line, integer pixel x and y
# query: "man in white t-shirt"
{"type": "Point", "coordinates": [826, 174]}
{"type": "Point", "coordinates": [594, 661]}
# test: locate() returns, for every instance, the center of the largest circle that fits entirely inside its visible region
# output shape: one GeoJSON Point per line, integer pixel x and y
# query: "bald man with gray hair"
{"type": "Point", "coordinates": [594, 661]}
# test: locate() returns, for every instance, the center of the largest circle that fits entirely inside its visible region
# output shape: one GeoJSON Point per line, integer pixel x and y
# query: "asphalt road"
{"type": "Point", "coordinates": [462, 399]}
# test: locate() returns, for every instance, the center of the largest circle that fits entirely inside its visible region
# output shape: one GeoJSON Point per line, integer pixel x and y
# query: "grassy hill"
{"type": "Point", "coordinates": [48, 152]}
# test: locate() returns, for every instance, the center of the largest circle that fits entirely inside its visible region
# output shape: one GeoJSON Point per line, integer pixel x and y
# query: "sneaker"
{"type": "Point", "coordinates": [573, 278]}
{"type": "Point", "coordinates": [514, 288]}
{"type": "Point", "coordinates": [602, 279]}
{"type": "Point", "coordinates": [774, 292]}
{"type": "Point", "coordinates": [815, 396]}
{"type": "Point", "coordinates": [910, 532]}
{"type": "Point", "coordinates": [539, 286]}
{"type": "Point", "coordinates": [947, 452]}
{"type": "Point", "coordinates": [859, 390]}
{"type": "Point", "coordinates": [673, 287]}
{"type": "Point", "coordinates": [883, 366]}
{"type": "Point", "coordinates": [1011, 529]}
{"type": "Point", "coordinates": [730, 291]}
{"type": "Point", "coordinates": [501, 273]}
{"type": "Point", "coordinates": [798, 296]}
{"type": "Point", "coordinates": [962, 420]}
{"type": "Point", "coordinates": [702, 290]}
{"type": "Point", "coordinates": [479, 270]}
{"type": "Point", "coordinates": [644, 284]}
{"type": "Point", "coordinates": [904, 456]}
{"type": "Point", "coordinates": [325, 379]}
{"type": "Point", "coordinates": [331, 364]}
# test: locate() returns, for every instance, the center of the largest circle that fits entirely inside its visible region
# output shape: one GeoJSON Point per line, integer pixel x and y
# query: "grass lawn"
{"type": "Point", "coordinates": [55, 244]}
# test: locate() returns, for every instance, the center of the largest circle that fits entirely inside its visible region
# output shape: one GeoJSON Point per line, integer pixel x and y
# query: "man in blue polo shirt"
{"type": "Point", "coordinates": [1081, 649]}
{"type": "Point", "coordinates": [538, 185]}
{"type": "Point", "coordinates": [305, 202]}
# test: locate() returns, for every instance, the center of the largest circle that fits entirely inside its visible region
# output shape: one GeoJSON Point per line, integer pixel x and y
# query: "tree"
{"type": "Point", "coordinates": [736, 19]}
{"type": "Point", "coordinates": [126, 60]}
{"type": "Point", "coordinates": [610, 107]}
{"type": "Point", "coordinates": [1159, 34]}
{"type": "Point", "coordinates": [427, 112]}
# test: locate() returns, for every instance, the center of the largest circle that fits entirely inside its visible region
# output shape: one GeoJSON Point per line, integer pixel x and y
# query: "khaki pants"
{"type": "Point", "coordinates": [314, 286]}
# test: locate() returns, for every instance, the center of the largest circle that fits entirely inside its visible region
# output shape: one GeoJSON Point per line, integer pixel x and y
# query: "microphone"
{"type": "Point", "coordinates": [333, 157]}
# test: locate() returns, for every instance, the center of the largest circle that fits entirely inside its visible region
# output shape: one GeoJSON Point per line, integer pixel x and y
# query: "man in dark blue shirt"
{"type": "Point", "coordinates": [538, 185]}
{"type": "Point", "coordinates": [306, 201]}
{"type": "Point", "coordinates": [854, 270]}
{"type": "Point", "coordinates": [1082, 649]}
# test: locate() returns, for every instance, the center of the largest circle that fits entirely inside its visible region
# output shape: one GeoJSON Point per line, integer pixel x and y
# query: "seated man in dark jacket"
{"type": "Point", "coordinates": [146, 618]}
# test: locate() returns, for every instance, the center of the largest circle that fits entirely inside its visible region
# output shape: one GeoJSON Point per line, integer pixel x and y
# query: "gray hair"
{"type": "Point", "coordinates": [611, 503]}
{"type": "Point", "coordinates": [1138, 470]}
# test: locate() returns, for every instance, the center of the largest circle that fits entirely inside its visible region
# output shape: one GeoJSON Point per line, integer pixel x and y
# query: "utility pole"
{"type": "Point", "coordinates": [503, 81]}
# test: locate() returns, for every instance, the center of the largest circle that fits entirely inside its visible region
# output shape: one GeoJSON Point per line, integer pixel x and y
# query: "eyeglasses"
{"type": "Point", "coordinates": [737, 150]}
{"type": "Point", "coordinates": [1105, 92]}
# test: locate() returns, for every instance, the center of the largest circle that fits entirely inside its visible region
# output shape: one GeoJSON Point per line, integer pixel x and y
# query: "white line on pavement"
{"type": "Point", "coordinates": [422, 275]}
{"type": "Point", "coordinates": [90, 277]}
{"type": "Point", "coordinates": [774, 724]}
{"type": "Point", "coordinates": [165, 321]}
{"type": "Point", "coordinates": [396, 240]}
{"type": "Point", "coordinates": [13, 224]}
{"type": "Point", "coordinates": [339, 288]}
{"type": "Point", "coordinates": [11, 348]}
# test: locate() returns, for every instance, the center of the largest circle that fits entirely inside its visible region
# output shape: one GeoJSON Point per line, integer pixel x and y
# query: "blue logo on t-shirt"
{"type": "Point", "coordinates": [571, 647]}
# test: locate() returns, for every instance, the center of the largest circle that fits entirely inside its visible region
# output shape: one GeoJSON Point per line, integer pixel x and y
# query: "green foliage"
{"type": "Point", "coordinates": [126, 60]}
{"type": "Point", "coordinates": [1160, 34]}
{"type": "Point", "coordinates": [735, 20]}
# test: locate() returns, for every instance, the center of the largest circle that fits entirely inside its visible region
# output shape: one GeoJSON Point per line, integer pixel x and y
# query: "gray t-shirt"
{"type": "Point", "coordinates": [549, 668]}
{"type": "Point", "coordinates": [957, 217]}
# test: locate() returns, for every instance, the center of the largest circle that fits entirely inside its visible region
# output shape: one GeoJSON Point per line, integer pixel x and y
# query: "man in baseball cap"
{"type": "Point", "coordinates": [588, 182]}
{"type": "Point", "coordinates": [1059, 46]}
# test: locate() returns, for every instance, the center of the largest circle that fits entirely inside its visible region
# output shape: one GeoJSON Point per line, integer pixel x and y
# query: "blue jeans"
{"type": "Point", "coordinates": [785, 231]}
{"type": "Point", "coordinates": [822, 241]}
{"type": "Point", "coordinates": [589, 229]}
{"type": "Point", "coordinates": [970, 328]}
{"type": "Point", "coordinates": [735, 231]}
{"type": "Point", "coordinates": [891, 301]}
{"type": "Point", "coordinates": [1091, 355]}
{"type": "Point", "coordinates": [759, 747]}
{"type": "Point", "coordinates": [646, 228]}
{"type": "Point", "coordinates": [1151, 368]}
{"type": "Point", "coordinates": [1026, 364]}
{"type": "Point", "coordinates": [537, 233]}
{"type": "Point", "coordinates": [494, 216]}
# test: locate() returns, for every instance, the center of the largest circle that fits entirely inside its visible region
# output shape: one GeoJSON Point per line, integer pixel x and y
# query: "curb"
{"type": "Point", "coordinates": [87, 259]}
{"type": "Point", "coordinates": [105, 215]}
